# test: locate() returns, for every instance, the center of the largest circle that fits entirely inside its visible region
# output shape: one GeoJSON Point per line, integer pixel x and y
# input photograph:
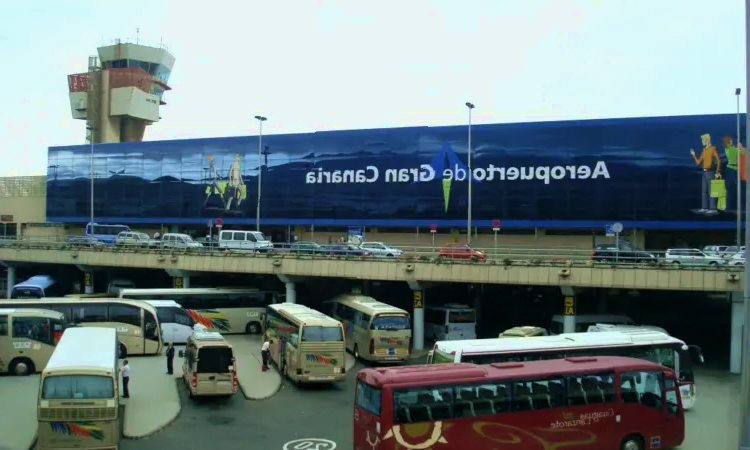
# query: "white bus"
{"type": "Point", "coordinates": [452, 321]}
{"type": "Point", "coordinates": [136, 322]}
{"type": "Point", "coordinates": [650, 345]}
{"type": "Point", "coordinates": [78, 404]}
{"type": "Point", "coordinates": [28, 338]}
{"type": "Point", "coordinates": [224, 310]}
{"type": "Point", "coordinates": [38, 286]}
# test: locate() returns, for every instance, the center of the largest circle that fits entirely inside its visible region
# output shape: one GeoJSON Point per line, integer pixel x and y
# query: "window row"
{"type": "Point", "coordinates": [216, 301]}
{"type": "Point", "coordinates": [35, 328]}
{"type": "Point", "coordinates": [423, 404]}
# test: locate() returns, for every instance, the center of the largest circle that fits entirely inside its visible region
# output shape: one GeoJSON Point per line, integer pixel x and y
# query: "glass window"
{"type": "Point", "coordinates": [239, 236]}
{"type": "Point", "coordinates": [3, 325]}
{"type": "Point", "coordinates": [642, 387]}
{"type": "Point", "coordinates": [322, 334]}
{"type": "Point", "coordinates": [391, 323]}
{"type": "Point", "coordinates": [34, 328]}
{"type": "Point", "coordinates": [538, 394]}
{"type": "Point", "coordinates": [165, 314]}
{"type": "Point", "coordinates": [673, 406]}
{"type": "Point", "coordinates": [182, 318]}
{"type": "Point", "coordinates": [150, 330]}
{"type": "Point", "coordinates": [127, 314]}
{"type": "Point", "coordinates": [590, 389]}
{"type": "Point", "coordinates": [461, 317]}
{"type": "Point", "coordinates": [215, 360]}
{"type": "Point", "coordinates": [368, 397]}
{"type": "Point", "coordinates": [69, 387]}
{"type": "Point", "coordinates": [90, 313]}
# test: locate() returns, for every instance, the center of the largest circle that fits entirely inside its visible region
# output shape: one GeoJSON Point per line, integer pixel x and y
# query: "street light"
{"type": "Point", "coordinates": [738, 241]}
{"type": "Point", "coordinates": [260, 120]}
{"type": "Point", "coordinates": [91, 138]}
{"type": "Point", "coordinates": [471, 177]}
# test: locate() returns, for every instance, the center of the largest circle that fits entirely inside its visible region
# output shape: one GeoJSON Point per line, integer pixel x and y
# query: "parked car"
{"type": "Point", "coordinates": [345, 249]}
{"type": "Point", "coordinates": [460, 250]}
{"type": "Point", "coordinates": [86, 240]}
{"type": "Point", "coordinates": [244, 240]}
{"type": "Point", "coordinates": [381, 250]}
{"type": "Point", "coordinates": [624, 253]}
{"type": "Point", "coordinates": [725, 251]}
{"type": "Point", "coordinates": [738, 259]}
{"type": "Point", "coordinates": [135, 239]}
{"type": "Point", "coordinates": [692, 257]}
{"type": "Point", "coordinates": [305, 248]}
{"type": "Point", "coordinates": [178, 240]}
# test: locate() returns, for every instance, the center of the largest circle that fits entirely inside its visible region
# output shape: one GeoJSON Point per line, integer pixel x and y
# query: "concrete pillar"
{"type": "Point", "coordinates": [11, 280]}
{"type": "Point", "coordinates": [418, 297]}
{"type": "Point", "coordinates": [181, 282]}
{"type": "Point", "coordinates": [88, 282]}
{"type": "Point", "coordinates": [291, 292]}
{"type": "Point", "coordinates": [569, 309]}
{"type": "Point", "coordinates": [737, 332]}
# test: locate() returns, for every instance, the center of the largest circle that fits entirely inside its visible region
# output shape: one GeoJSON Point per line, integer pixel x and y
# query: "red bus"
{"type": "Point", "coordinates": [592, 403]}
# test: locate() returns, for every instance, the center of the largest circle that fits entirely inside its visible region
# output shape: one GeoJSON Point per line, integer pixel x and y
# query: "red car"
{"type": "Point", "coordinates": [461, 250]}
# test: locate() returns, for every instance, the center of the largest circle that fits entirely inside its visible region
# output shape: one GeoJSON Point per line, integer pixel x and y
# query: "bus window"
{"type": "Point", "coordinates": [368, 397]}
{"type": "Point", "coordinates": [322, 334]}
{"type": "Point", "coordinates": [34, 328]}
{"type": "Point", "coordinates": [150, 330]}
{"type": "Point", "coordinates": [3, 325]}
{"type": "Point", "coordinates": [390, 323]}
{"type": "Point", "coordinates": [126, 314]}
{"type": "Point", "coordinates": [642, 387]}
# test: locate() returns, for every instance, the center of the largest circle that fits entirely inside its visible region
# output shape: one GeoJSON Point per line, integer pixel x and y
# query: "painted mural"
{"type": "Point", "coordinates": [645, 172]}
{"type": "Point", "coordinates": [326, 359]}
{"type": "Point", "coordinates": [211, 319]}
{"type": "Point", "coordinates": [78, 429]}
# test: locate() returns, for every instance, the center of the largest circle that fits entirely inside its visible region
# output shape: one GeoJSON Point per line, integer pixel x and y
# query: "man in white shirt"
{"type": "Point", "coordinates": [265, 350]}
{"type": "Point", "coordinates": [125, 379]}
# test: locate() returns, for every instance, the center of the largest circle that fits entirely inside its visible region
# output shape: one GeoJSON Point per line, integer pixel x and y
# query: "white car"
{"type": "Point", "coordinates": [381, 250]}
{"type": "Point", "coordinates": [179, 240]}
{"type": "Point", "coordinates": [692, 257]}
{"type": "Point", "coordinates": [738, 259]}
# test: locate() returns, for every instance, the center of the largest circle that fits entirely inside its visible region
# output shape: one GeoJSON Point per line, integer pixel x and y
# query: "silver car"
{"type": "Point", "coordinates": [381, 250]}
{"type": "Point", "coordinates": [692, 257]}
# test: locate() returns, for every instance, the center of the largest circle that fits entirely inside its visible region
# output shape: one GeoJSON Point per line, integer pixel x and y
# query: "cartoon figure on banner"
{"type": "Point", "coordinates": [711, 181]}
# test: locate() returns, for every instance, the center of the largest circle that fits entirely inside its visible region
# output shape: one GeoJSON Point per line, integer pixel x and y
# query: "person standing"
{"type": "Point", "coordinates": [710, 163]}
{"type": "Point", "coordinates": [170, 358]}
{"type": "Point", "coordinates": [125, 379]}
{"type": "Point", "coordinates": [265, 351]}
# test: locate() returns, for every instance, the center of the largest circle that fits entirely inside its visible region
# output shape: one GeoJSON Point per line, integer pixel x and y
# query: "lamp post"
{"type": "Point", "coordinates": [260, 120]}
{"type": "Point", "coordinates": [471, 177]}
{"type": "Point", "coordinates": [91, 167]}
{"type": "Point", "coordinates": [738, 241]}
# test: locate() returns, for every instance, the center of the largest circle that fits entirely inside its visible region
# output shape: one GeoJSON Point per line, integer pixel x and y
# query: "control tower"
{"type": "Point", "coordinates": [122, 91]}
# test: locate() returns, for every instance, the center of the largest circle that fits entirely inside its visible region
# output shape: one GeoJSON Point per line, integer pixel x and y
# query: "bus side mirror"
{"type": "Point", "coordinates": [181, 354]}
{"type": "Point", "coordinates": [696, 354]}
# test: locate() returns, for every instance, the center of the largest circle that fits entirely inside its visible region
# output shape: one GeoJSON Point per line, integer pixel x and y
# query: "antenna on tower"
{"type": "Point", "coordinates": [137, 35]}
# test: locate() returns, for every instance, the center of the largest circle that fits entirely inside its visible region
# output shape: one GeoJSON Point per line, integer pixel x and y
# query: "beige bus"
{"type": "Point", "coordinates": [78, 403]}
{"type": "Point", "coordinates": [136, 322]}
{"type": "Point", "coordinates": [374, 331]}
{"type": "Point", "coordinates": [523, 331]}
{"type": "Point", "coordinates": [209, 367]}
{"type": "Point", "coordinates": [28, 338]}
{"type": "Point", "coordinates": [306, 345]}
{"type": "Point", "coordinates": [224, 310]}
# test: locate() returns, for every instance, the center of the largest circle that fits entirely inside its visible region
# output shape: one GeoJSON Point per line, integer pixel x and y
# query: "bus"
{"type": "Point", "coordinates": [78, 404]}
{"type": "Point", "coordinates": [28, 338]}
{"type": "Point", "coordinates": [650, 345]}
{"type": "Point", "coordinates": [176, 324]}
{"type": "Point", "coordinates": [227, 311]}
{"type": "Point", "coordinates": [306, 345]}
{"type": "Point", "coordinates": [38, 286]}
{"type": "Point", "coordinates": [105, 233]}
{"type": "Point", "coordinates": [136, 323]}
{"type": "Point", "coordinates": [374, 331]}
{"type": "Point", "coordinates": [573, 403]}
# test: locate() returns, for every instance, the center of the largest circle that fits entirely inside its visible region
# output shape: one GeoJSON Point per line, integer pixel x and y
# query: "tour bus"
{"type": "Point", "coordinates": [79, 392]}
{"type": "Point", "coordinates": [176, 323]}
{"type": "Point", "coordinates": [650, 345]}
{"type": "Point", "coordinates": [451, 321]}
{"type": "Point", "coordinates": [374, 331]}
{"type": "Point", "coordinates": [28, 338]}
{"type": "Point", "coordinates": [306, 345]}
{"type": "Point", "coordinates": [224, 310]}
{"type": "Point", "coordinates": [136, 323]}
{"type": "Point", "coordinates": [584, 322]}
{"type": "Point", "coordinates": [105, 233]}
{"type": "Point", "coordinates": [38, 286]}
{"type": "Point", "coordinates": [579, 403]}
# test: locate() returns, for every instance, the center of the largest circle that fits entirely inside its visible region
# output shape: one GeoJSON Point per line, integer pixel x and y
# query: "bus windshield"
{"type": "Point", "coordinates": [322, 334]}
{"type": "Point", "coordinates": [75, 387]}
{"type": "Point", "coordinates": [390, 323]}
{"type": "Point", "coordinates": [461, 317]}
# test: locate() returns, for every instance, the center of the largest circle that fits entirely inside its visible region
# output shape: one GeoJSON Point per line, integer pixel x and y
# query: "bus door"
{"type": "Point", "coordinates": [151, 342]}
{"type": "Point", "coordinates": [674, 422]}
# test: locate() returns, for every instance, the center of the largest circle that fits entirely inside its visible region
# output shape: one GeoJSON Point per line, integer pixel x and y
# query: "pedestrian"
{"type": "Point", "coordinates": [125, 379]}
{"type": "Point", "coordinates": [170, 358]}
{"type": "Point", "coordinates": [265, 351]}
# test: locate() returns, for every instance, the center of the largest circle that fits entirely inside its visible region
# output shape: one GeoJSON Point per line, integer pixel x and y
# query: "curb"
{"type": "Point", "coordinates": [275, 391]}
{"type": "Point", "coordinates": [161, 428]}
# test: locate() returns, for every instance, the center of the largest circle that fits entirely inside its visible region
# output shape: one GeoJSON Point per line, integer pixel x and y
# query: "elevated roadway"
{"type": "Point", "coordinates": [543, 269]}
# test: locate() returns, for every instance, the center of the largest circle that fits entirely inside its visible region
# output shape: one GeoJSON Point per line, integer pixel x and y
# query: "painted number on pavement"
{"type": "Point", "coordinates": [310, 444]}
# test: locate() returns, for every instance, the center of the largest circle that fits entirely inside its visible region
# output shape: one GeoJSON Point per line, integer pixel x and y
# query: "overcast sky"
{"type": "Point", "coordinates": [322, 65]}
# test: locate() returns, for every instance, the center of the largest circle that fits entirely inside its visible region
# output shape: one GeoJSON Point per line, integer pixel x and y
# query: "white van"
{"type": "Point", "coordinates": [179, 240]}
{"type": "Point", "coordinates": [209, 365]}
{"type": "Point", "coordinates": [584, 321]}
{"type": "Point", "coordinates": [450, 322]}
{"type": "Point", "coordinates": [253, 241]}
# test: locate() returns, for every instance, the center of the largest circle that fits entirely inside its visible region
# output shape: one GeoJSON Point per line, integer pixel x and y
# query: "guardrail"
{"type": "Point", "coordinates": [507, 256]}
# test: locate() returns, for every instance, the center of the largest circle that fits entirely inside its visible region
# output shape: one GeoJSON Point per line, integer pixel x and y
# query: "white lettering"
{"type": "Point", "coordinates": [391, 175]}
{"type": "Point", "coordinates": [600, 170]}
{"type": "Point", "coordinates": [447, 174]}
{"type": "Point", "coordinates": [479, 174]}
{"type": "Point", "coordinates": [512, 173]}
{"type": "Point", "coordinates": [427, 173]}
{"type": "Point", "coordinates": [558, 172]}
{"type": "Point", "coordinates": [459, 174]}
{"type": "Point", "coordinates": [584, 172]}
{"type": "Point", "coordinates": [375, 173]}
{"type": "Point", "coordinates": [542, 173]}
{"type": "Point", "coordinates": [527, 173]}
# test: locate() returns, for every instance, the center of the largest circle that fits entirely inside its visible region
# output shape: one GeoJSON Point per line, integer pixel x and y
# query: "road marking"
{"type": "Point", "coordinates": [310, 444]}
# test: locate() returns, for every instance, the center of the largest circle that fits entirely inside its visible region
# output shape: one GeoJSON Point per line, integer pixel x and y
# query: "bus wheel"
{"type": "Point", "coordinates": [252, 328]}
{"type": "Point", "coordinates": [123, 352]}
{"type": "Point", "coordinates": [632, 442]}
{"type": "Point", "coordinates": [356, 351]}
{"type": "Point", "coordinates": [21, 367]}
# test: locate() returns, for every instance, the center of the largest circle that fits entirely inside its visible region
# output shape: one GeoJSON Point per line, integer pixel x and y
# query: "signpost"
{"type": "Point", "coordinates": [617, 228]}
{"type": "Point", "coordinates": [495, 229]}
{"type": "Point", "coordinates": [219, 222]}
{"type": "Point", "coordinates": [608, 230]}
{"type": "Point", "coordinates": [433, 230]}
